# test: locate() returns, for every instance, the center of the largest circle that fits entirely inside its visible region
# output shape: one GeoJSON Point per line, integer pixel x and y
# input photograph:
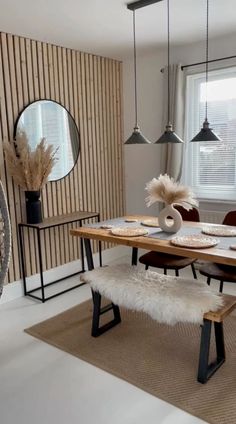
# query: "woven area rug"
{"type": "Point", "coordinates": [159, 359]}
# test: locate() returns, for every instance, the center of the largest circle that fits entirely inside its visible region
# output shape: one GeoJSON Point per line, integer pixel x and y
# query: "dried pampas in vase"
{"type": "Point", "coordinates": [30, 170]}
{"type": "Point", "coordinates": [165, 189]}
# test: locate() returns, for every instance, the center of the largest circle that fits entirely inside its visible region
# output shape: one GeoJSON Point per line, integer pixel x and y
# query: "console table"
{"type": "Point", "coordinates": [42, 226]}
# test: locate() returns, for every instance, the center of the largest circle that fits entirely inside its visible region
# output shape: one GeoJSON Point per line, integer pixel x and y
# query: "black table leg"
{"type": "Point", "coordinates": [40, 265]}
{"type": "Point", "coordinates": [134, 256]}
{"type": "Point", "coordinates": [89, 255]}
{"type": "Point", "coordinates": [81, 251]}
{"type": "Point", "coordinates": [22, 257]}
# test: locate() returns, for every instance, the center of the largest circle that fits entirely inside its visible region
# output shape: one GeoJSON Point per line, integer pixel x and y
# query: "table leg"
{"type": "Point", "coordinates": [100, 252]}
{"type": "Point", "coordinates": [81, 251]}
{"type": "Point", "coordinates": [99, 245]}
{"type": "Point", "coordinates": [134, 256]}
{"type": "Point", "coordinates": [40, 265]}
{"type": "Point", "coordinates": [22, 257]}
{"type": "Point", "coordinates": [89, 255]}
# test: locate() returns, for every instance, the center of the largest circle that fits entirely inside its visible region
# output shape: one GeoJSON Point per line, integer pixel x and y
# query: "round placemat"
{"type": "Point", "coordinates": [219, 230]}
{"type": "Point", "coordinates": [106, 226]}
{"type": "Point", "coordinates": [129, 232]}
{"type": "Point", "coordinates": [150, 222]}
{"type": "Point", "coordinates": [194, 241]}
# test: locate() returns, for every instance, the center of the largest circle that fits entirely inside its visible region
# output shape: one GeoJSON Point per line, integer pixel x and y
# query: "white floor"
{"type": "Point", "coordinates": [41, 384]}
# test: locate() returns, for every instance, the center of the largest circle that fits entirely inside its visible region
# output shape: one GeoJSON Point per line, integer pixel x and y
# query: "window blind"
{"type": "Point", "coordinates": [210, 167]}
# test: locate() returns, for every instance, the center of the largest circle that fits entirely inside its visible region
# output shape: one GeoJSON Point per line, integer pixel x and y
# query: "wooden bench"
{"type": "Point", "coordinates": [111, 279]}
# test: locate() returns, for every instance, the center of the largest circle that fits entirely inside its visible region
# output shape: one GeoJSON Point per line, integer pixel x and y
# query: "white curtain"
{"type": "Point", "coordinates": [172, 154]}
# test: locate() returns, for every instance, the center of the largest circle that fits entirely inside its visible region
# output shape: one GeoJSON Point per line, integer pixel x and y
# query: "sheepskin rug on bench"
{"type": "Point", "coordinates": [166, 299]}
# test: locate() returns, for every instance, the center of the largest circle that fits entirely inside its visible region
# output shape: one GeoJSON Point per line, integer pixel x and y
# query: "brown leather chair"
{"type": "Point", "coordinates": [222, 273]}
{"type": "Point", "coordinates": [166, 261]}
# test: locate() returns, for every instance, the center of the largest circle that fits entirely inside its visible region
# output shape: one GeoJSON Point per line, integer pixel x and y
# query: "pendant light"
{"type": "Point", "coordinates": [206, 133]}
{"type": "Point", "coordinates": [136, 137]}
{"type": "Point", "coordinates": [169, 135]}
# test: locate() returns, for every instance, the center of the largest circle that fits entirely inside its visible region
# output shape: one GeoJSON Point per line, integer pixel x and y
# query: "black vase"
{"type": "Point", "coordinates": [33, 207]}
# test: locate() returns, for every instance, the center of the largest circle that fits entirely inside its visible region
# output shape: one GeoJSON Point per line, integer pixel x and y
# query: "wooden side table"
{"type": "Point", "coordinates": [42, 226]}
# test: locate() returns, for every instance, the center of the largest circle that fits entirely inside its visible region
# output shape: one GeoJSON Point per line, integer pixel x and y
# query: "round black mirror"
{"type": "Point", "coordinates": [49, 119]}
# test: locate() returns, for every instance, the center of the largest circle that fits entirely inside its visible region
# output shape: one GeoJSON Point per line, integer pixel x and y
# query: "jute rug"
{"type": "Point", "coordinates": [159, 359]}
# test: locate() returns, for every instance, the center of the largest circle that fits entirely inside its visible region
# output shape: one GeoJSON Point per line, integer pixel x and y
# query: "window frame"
{"type": "Point", "coordinates": [192, 97]}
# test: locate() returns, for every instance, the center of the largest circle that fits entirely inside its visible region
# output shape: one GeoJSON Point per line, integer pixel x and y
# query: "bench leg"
{"type": "Point", "coordinates": [97, 311]}
{"type": "Point", "coordinates": [205, 370]}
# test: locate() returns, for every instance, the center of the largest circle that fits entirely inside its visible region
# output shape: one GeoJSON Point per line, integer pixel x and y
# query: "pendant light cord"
{"type": "Point", "coordinates": [168, 62]}
{"type": "Point", "coordinates": [135, 74]}
{"type": "Point", "coordinates": [207, 30]}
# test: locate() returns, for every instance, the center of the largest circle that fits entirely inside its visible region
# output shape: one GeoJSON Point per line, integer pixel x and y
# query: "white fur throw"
{"type": "Point", "coordinates": [166, 299]}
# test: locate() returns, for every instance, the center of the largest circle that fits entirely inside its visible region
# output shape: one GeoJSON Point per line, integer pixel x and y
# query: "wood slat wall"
{"type": "Point", "coordinates": [90, 87]}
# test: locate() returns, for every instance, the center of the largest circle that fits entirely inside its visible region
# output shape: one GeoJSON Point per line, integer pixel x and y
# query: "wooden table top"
{"type": "Point", "coordinates": [213, 254]}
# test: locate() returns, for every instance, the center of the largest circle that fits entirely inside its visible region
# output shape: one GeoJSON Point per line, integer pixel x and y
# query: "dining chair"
{"type": "Point", "coordinates": [222, 273]}
{"type": "Point", "coordinates": [166, 261]}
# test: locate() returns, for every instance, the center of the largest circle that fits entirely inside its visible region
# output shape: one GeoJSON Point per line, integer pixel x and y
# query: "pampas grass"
{"type": "Point", "coordinates": [29, 168]}
{"type": "Point", "coordinates": [165, 189]}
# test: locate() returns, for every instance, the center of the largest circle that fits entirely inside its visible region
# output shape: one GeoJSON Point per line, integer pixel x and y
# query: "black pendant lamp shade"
{"type": "Point", "coordinates": [136, 137]}
{"type": "Point", "coordinates": [169, 136]}
{"type": "Point", "coordinates": [206, 133]}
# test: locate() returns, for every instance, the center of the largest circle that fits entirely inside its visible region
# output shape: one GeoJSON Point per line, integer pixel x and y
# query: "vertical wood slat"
{"type": "Point", "coordinates": [53, 232]}
{"type": "Point", "coordinates": [121, 139]}
{"type": "Point", "coordinates": [60, 183]}
{"type": "Point", "coordinates": [29, 237]}
{"type": "Point", "coordinates": [90, 88]}
{"type": "Point", "coordinates": [56, 185]}
{"type": "Point", "coordinates": [15, 108]}
{"type": "Point", "coordinates": [20, 106]}
{"type": "Point", "coordinates": [67, 239]}
{"type": "Point", "coordinates": [8, 122]}
{"type": "Point", "coordinates": [74, 253]}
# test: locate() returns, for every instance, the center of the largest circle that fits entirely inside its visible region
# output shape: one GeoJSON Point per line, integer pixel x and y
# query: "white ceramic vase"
{"type": "Point", "coordinates": [170, 225]}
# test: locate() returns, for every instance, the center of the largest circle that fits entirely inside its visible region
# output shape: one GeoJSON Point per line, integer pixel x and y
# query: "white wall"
{"type": "Point", "coordinates": [143, 162]}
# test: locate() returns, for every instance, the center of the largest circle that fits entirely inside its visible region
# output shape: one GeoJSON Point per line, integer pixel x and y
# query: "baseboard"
{"type": "Point", "coordinates": [14, 290]}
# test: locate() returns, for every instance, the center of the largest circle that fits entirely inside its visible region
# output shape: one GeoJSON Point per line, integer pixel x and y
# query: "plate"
{"type": "Point", "coordinates": [129, 232]}
{"type": "Point", "coordinates": [150, 222]}
{"type": "Point", "coordinates": [219, 230]}
{"type": "Point", "coordinates": [194, 241]}
{"type": "Point", "coordinates": [106, 226]}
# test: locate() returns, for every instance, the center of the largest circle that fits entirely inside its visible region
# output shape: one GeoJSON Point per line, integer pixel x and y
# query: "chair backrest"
{"type": "Point", "coordinates": [230, 218]}
{"type": "Point", "coordinates": [191, 215]}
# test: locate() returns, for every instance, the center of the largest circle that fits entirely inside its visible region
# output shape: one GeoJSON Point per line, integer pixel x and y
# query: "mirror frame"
{"type": "Point", "coordinates": [77, 130]}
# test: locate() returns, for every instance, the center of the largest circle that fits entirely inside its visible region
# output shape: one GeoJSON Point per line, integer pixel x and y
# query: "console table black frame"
{"type": "Point", "coordinates": [42, 226]}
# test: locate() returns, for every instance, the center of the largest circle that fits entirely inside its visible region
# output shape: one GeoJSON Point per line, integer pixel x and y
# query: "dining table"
{"type": "Point", "coordinates": [155, 239]}
{"type": "Point", "coordinates": [219, 250]}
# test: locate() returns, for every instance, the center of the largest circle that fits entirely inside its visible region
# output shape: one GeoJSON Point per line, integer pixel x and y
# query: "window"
{"type": "Point", "coordinates": [210, 167]}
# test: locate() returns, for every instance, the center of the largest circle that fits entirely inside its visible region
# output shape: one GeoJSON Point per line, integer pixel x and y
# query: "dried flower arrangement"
{"type": "Point", "coordinates": [29, 168]}
{"type": "Point", "coordinates": [167, 190]}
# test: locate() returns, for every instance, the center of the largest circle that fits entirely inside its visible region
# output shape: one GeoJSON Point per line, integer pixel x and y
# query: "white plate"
{"type": "Point", "coordinates": [194, 241]}
{"type": "Point", "coordinates": [150, 222]}
{"type": "Point", "coordinates": [129, 232]}
{"type": "Point", "coordinates": [219, 230]}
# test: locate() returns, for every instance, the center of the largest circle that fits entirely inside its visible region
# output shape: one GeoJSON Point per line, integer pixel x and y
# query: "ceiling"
{"type": "Point", "coordinates": [104, 27]}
